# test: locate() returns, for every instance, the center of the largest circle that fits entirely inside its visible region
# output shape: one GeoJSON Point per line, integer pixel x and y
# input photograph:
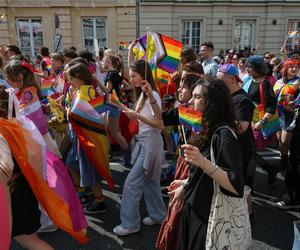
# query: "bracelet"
{"type": "Point", "coordinates": [153, 102]}
{"type": "Point", "coordinates": [213, 171]}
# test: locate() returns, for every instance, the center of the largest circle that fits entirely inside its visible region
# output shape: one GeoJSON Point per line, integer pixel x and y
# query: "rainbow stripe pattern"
{"type": "Point", "coordinates": [89, 127]}
{"type": "Point", "coordinates": [273, 124]}
{"type": "Point", "coordinates": [115, 101]}
{"type": "Point", "coordinates": [98, 103]}
{"type": "Point", "coordinates": [47, 86]}
{"type": "Point", "coordinates": [190, 118]}
{"type": "Point", "coordinates": [292, 33]}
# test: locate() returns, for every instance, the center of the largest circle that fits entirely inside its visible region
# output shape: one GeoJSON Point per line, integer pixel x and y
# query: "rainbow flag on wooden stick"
{"type": "Point", "coordinates": [190, 118]}
{"type": "Point", "coordinates": [292, 33]}
{"type": "Point", "coordinates": [115, 101]}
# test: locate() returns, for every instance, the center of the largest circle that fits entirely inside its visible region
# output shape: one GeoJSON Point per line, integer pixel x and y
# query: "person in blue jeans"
{"type": "Point", "coordinates": [147, 156]}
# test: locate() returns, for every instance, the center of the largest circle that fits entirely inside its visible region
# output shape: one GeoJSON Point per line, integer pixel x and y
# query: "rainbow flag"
{"type": "Point", "coordinates": [292, 33]}
{"type": "Point", "coordinates": [115, 101]}
{"type": "Point", "coordinates": [90, 130]}
{"type": "Point", "coordinates": [173, 50]}
{"type": "Point", "coordinates": [190, 118]}
{"type": "Point", "coordinates": [163, 52]}
{"type": "Point", "coordinates": [47, 86]}
{"type": "Point", "coordinates": [55, 205]}
{"type": "Point", "coordinates": [99, 104]}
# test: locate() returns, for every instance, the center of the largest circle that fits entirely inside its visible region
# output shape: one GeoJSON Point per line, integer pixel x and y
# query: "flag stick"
{"type": "Point", "coordinates": [147, 47]}
{"type": "Point", "coordinates": [183, 134]}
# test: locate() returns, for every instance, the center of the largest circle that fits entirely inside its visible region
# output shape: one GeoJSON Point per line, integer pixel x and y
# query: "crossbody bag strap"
{"type": "Point", "coordinates": [212, 155]}
{"type": "Point", "coordinates": [261, 93]}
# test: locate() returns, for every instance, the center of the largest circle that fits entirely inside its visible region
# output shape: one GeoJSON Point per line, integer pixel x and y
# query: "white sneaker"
{"type": "Point", "coordinates": [119, 230]}
{"type": "Point", "coordinates": [148, 221]}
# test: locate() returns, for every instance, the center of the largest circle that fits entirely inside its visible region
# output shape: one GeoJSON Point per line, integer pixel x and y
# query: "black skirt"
{"type": "Point", "coordinates": [192, 231]}
{"type": "Point", "coordinates": [25, 210]}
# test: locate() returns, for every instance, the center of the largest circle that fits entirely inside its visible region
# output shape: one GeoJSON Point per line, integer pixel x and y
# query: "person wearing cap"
{"type": "Point", "coordinates": [243, 108]}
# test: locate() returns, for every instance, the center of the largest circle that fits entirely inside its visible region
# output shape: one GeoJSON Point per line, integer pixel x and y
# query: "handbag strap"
{"type": "Point", "coordinates": [261, 94]}
{"type": "Point", "coordinates": [212, 155]}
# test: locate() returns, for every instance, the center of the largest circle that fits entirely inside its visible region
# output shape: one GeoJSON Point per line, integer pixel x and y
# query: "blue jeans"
{"type": "Point", "coordinates": [296, 245]}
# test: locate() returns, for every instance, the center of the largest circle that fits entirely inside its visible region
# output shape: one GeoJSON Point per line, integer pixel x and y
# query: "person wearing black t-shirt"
{"type": "Point", "coordinates": [243, 109]}
{"type": "Point", "coordinates": [114, 81]}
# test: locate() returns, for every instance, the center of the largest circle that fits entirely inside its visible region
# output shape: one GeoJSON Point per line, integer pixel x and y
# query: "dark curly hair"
{"type": "Point", "coordinates": [218, 110]}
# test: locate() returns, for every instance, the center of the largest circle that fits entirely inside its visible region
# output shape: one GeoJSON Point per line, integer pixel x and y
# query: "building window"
{"type": "Point", "coordinates": [30, 35]}
{"type": "Point", "coordinates": [244, 34]}
{"type": "Point", "coordinates": [293, 43]}
{"type": "Point", "coordinates": [191, 34]}
{"type": "Point", "coordinates": [94, 33]}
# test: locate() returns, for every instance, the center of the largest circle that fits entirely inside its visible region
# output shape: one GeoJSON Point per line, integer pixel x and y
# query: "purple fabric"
{"type": "Point", "coordinates": [58, 179]}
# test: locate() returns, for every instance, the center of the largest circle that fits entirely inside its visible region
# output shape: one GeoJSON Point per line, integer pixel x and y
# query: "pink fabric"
{"type": "Point", "coordinates": [272, 80]}
{"type": "Point", "coordinates": [260, 142]}
{"type": "Point", "coordinates": [58, 179]}
{"type": "Point", "coordinates": [4, 219]}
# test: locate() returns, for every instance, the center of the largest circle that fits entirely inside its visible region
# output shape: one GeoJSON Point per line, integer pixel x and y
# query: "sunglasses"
{"type": "Point", "coordinates": [266, 57]}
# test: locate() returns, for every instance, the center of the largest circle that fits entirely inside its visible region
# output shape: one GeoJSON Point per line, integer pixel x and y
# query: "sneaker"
{"type": "Point", "coordinates": [47, 229]}
{"type": "Point", "coordinates": [96, 207]}
{"type": "Point", "coordinates": [287, 205]}
{"type": "Point", "coordinates": [119, 230]}
{"type": "Point", "coordinates": [148, 221]}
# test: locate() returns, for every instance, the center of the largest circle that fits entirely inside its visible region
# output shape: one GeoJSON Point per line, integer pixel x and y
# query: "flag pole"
{"type": "Point", "coordinates": [183, 134]}
{"type": "Point", "coordinates": [146, 58]}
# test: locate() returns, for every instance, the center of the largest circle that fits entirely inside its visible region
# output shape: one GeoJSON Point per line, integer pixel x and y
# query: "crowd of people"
{"type": "Point", "coordinates": [248, 102]}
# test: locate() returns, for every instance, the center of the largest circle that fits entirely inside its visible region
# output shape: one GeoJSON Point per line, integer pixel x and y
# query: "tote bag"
{"type": "Point", "coordinates": [228, 225]}
{"type": "Point", "coordinates": [273, 124]}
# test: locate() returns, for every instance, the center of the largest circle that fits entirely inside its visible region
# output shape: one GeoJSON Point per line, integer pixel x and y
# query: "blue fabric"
{"type": "Point", "coordinates": [247, 82]}
{"type": "Point", "coordinates": [296, 245]}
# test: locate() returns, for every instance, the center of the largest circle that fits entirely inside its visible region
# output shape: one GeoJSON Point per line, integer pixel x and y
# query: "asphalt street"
{"type": "Point", "coordinates": [272, 229]}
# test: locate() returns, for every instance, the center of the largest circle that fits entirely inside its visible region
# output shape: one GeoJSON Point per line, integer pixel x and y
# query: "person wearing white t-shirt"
{"type": "Point", "coordinates": [147, 156]}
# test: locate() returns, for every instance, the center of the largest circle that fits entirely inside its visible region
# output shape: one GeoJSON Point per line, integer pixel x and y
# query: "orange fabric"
{"type": "Point", "coordinates": [56, 208]}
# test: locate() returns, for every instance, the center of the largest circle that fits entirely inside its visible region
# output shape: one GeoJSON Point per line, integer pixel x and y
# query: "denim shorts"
{"type": "Point", "coordinates": [286, 119]}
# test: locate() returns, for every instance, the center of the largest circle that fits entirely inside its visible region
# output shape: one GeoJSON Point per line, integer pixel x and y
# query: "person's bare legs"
{"type": "Point", "coordinates": [32, 242]}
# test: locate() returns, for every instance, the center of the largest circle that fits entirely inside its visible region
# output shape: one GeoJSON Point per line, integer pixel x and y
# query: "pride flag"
{"type": "Point", "coordinates": [163, 55]}
{"type": "Point", "coordinates": [89, 128]}
{"type": "Point", "coordinates": [292, 33]}
{"type": "Point", "coordinates": [190, 118]}
{"type": "Point", "coordinates": [115, 101]}
{"type": "Point", "coordinates": [99, 104]}
{"type": "Point", "coordinates": [56, 206]}
{"type": "Point", "coordinates": [47, 86]}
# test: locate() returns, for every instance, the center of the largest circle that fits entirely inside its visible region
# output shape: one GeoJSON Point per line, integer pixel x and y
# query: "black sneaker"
{"type": "Point", "coordinates": [96, 207]}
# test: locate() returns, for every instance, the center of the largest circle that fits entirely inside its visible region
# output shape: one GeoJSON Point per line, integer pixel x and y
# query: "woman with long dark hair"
{"type": "Point", "coordinates": [147, 155]}
{"type": "Point", "coordinates": [212, 98]}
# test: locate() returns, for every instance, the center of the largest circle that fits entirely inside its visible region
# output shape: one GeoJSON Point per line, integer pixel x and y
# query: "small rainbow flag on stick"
{"type": "Point", "coordinates": [292, 33]}
{"type": "Point", "coordinates": [114, 100]}
{"type": "Point", "coordinates": [99, 104]}
{"type": "Point", "coordinates": [47, 86]}
{"type": "Point", "coordinates": [190, 117]}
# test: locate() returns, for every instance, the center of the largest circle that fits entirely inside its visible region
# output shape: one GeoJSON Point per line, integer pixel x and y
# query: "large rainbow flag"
{"type": "Point", "coordinates": [57, 207]}
{"type": "Point", "coordinates": [162, 53]}
{"type": "Point", "coordinates": [190, 118]}
{"type": "Point", "coordinates": [89, 128]}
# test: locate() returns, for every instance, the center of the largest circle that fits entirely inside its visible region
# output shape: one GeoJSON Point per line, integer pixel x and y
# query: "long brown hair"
{"type": "Point", "coordinates": [80, 71]}
{"type": "Point", "coordinates": [14, 68]}
{"type": "Point", "coordinates": [139, 67]}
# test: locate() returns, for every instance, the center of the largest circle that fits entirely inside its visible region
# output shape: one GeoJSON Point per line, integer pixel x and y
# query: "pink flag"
{"type": "Point", "coordinates": [4, 218]}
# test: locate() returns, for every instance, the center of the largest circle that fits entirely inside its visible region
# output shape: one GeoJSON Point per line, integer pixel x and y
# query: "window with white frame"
{"type": "Point", "coordinates": [94, 33]}
{"type": "Point", "coordinates": [244, 33]}
{"type": "Point", "coordinates": [30, 35]}
{"type": "Point", "coordinates": [293, 43]}
{"type": "Point", "coordinates": [191, 34]}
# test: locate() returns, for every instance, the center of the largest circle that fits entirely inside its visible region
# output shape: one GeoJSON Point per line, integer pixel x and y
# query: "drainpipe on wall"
{"type": "Point", "coordinates": [137, 18]}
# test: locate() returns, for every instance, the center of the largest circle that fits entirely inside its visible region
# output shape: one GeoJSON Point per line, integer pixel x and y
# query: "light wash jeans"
{"type": "Point", "coordinates": [296, 245]}
{"type": "Point", "coordinates": [135, 185]}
